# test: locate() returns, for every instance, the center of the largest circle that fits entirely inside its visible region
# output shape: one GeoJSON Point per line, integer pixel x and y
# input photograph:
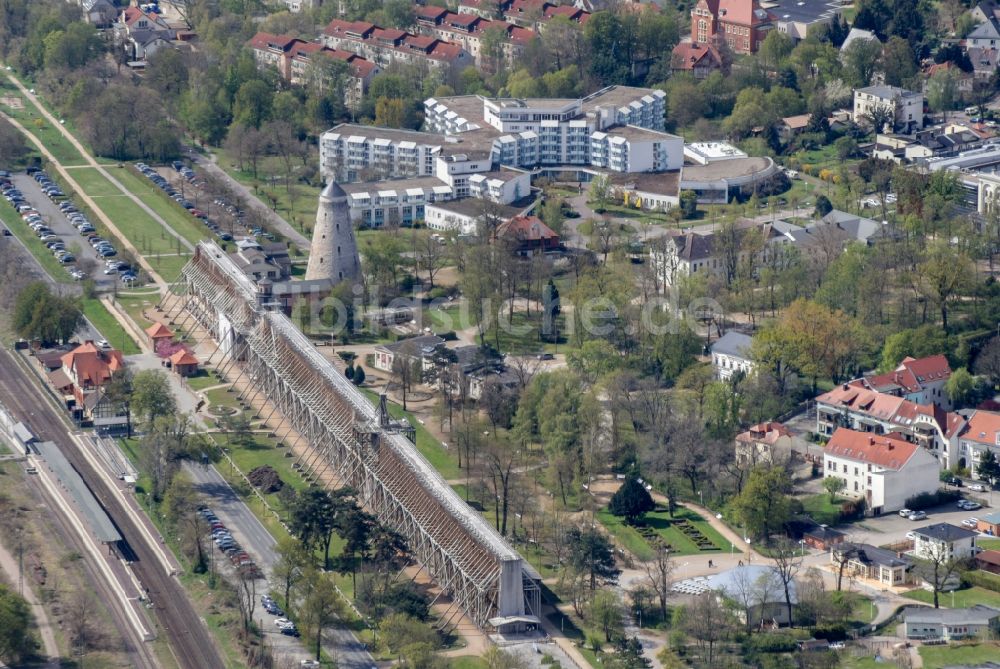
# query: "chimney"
{"type": "Point", "coordinates": [871, 441]}
{"type": "Point", "coordinates": [844, 387]}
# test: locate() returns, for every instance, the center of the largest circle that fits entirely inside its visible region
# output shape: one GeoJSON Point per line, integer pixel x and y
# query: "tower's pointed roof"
{"type": "Point", "coordinates": [333, 191]}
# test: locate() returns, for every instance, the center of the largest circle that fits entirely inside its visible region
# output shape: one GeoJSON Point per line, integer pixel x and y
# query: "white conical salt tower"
{"type": "Point", "coordinates": [334, 252]}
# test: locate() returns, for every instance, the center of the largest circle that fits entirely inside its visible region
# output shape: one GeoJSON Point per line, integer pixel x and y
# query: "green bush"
{"type": "Point", "coordinates": [983, 579]}
{"type": "Point", "coordinates": [832, 632]}
{"type": "Point", "coordinates": [926, 500]}
{"type": "Point", "coordinates": [771, 643]}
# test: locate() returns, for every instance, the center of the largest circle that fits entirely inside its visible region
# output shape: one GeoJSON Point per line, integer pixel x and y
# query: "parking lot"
{"type": "Point", "coordinates": [87, 258]}
{"type": "Point", "coordinates": [892, 527]}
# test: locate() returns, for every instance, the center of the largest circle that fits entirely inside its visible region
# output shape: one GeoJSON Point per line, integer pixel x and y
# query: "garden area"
{"type": "Point", "coordinates": [962, 598]}
{"type": "Point", "coordinates": [686, 533]}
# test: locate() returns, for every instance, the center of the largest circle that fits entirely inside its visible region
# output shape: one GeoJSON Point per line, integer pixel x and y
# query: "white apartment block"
{"type": "Point", "coordinates": [943, 541]}
{"type": "Point", "coordinates": [350, 153]}
{"type": "Point", "coordinates": [884, 470]}
{"type": "Point", "coordinates": [907, 106]}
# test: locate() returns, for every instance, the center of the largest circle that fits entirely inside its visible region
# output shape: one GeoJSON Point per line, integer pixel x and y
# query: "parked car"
{"type": "Point", "coordinates": [905, 513]}
{"type": "Point", "coordinates": [918, 515]}
{"type": "Point", "coordinates": [977, 487]}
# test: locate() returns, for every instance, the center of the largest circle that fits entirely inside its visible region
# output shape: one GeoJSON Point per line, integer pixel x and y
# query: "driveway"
{"type": "Point", "coordinates": [75, 243]}
{"type": "Point", "coordinates": [892, 528]}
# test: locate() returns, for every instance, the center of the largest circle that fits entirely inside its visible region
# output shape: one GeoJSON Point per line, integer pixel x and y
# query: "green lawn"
{"type": "Point", "coordinates": [93, 182]}
{"type": "Point", "coordinates": [203, 379]}
{"type": "Point", "coordinates": [821, 509]}
{"type": "Point", "coordinates": [112, 330]}
{"type": "Point", "coordinates": [520, 335]}
{"type": "Point", "coordinates": [935, 657]}
{"type": "Point", "coordinates": [296, 205]}
{"type": "Point", "coordinates": [13, 222]}
{"type": "Point", "coordinates": [168, 267]}
{"type": "Point", "coordinates": [48, 135]}
{"type": "Point", "coordinates": [145, 233]}
{"type": "Point", "coordinates": [962, 598]}
{"type": "Point", "coordinates": [467, 662]}
{"type": "Point", "coordinates": [452, 317]}
{"type": "Point", "coordinates": [664, 526]}
{"type": "Point", "coordinates": [175, 215]}
{"type": "Point", "coordinates": [989, 544]}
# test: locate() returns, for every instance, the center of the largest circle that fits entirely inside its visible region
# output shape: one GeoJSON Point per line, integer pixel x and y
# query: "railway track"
{"type": "Point", "coordinates": [186, 634]}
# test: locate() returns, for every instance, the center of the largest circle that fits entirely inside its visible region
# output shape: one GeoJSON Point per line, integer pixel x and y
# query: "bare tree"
{"type": "Point", "coordinates": [246, 599]}
{"type": "Point", "coordinates": [659, 573]}
{"type": "Point", "coordinates": [941, 565]}
{"type": "Point", "coordinates": [499, 457]}
{"type": "Point", "coordinates": [787, 563]}
{"type": "Point", "coordinates": [429, 252]}
{"type": "Point", "coordinates": [406, 368]}
{"type": "Point", "coordinates": [708, 622]}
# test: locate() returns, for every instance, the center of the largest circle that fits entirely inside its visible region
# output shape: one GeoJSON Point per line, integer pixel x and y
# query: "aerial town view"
{"type": "Point", "coordinates": [500, 334]}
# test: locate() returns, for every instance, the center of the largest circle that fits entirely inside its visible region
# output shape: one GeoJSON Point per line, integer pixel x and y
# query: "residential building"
{"type": "Point", "coordinates": [854, 406]}
{"type": "Point", "coordinates": [989, 523]}
{"type": "Point", "coordinates": [471, 31]}
{"type": "Point", "coordinates": [86, 368]}
{"type": "Point", "coordinates": [528, 236]}
{"type": "Point", "coordinates": [414, 349]}
{"type": "Point", "coordinates": [741, 25]}
{"type": "Point", "coordinates": [141, 34]}
{"type": "Point", "coordinates": [790, 126]}
{"type": "Point", "coordinates": [297, 62]}
{"type": "Point", "coordinates": [883, 470]}
{"type": "Point", "coordinates": [986, 35]}
{"type": "Point", "coordinates": [699, 58]}
{"type": "Point", "coordinates": [103, 413]}
{"type": "Point", "coordinates": [979, 433]}
{"type": "Point", "coordinates": [618, 128]}
{"type": "Point", "coordinates": [349, 152]}
{"type": "Point", "coordinates": [929, 624]}
{"type": "Point", "coordinates": [944, 542]}
{"type": "Point", "coordinates": [856, 35]}
{"type": "Point", "coordinates": [466, 216]}
{"type": "Point", "coordinates": [99, 13]}
{"type": "Point", "coordinates": [765, 443]}
{"type": "Point", "coordinates": [257, 264]}
{"type": "Point", "coordinates": [386, 46]}
{"type": "Point", "coordinates": [872, 563]}
{"type": "Point", "coordinates": [906, 106]}
{"type": "Point", "coordinates": [918, 380]}
{"type": "Point", "coordinates": [731, 354]}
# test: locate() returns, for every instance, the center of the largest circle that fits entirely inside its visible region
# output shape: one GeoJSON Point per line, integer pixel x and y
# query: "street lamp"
{"type": "Point", "coordinates": [802, 546]}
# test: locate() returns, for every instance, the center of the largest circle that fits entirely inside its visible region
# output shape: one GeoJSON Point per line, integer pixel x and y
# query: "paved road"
{"type": "Point", "coordinates": [207, 164]}
{"type": "Point", "coordinates": [340, 643]}
{"type": "Point", "coordinates": [61, 226]}
{"type": "Point", "coordinates": [185, 631]}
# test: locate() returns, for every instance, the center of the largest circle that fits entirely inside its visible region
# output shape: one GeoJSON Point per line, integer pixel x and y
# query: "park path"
{"type": "Point", "coordinates": [9, 565]}
{"type": "Point", "coordinates": [102, 170]}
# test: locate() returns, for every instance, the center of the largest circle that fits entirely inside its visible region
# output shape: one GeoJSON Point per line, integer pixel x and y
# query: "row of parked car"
{"type": "Point", "coordinates": [284, 625]}
{"type": "Point", "coordinates": [192, 177]}
{"type": "Point", "coordinates": [33, 219]}
{"type": "Point", "coordinates": [223, 538]}
{"type": "Point", "coordinates": [165, 186]}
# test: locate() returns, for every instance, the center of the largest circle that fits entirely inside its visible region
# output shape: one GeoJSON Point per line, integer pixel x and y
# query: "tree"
{"type": "Point", "coordinates": [689, 203]}
{"type": "Point", "coordinates": [38, 314]}
{"type": "Point", "coordinates": [16, 622]}
{"type": "Point", "coordinates": [606, 613]}
{"type": "Point", "coordinates": [988, 361]}
{"type": "Point", "coordinates": [763, 507]}
{"type": "Point", "coordinates": [787, 563]}
{"type": "Point", "coordinates": [151, 396]}
{"type": "Point", "coordinates": [823, 205]}
{"type": "Point", "coordinates": [939, 566]}
{"type": "Point", "coordinates": [591, 554]}
{"type": "Point", "coordinates": [631, 501]}
{"type": "Point", "coordinates": [313, 520]}
{"type": "Point", "coordinates": [834, 485]}
{"type": "Point", "coordinates": [942, 91]}
{"type": "Point", "coordinates": [847, 147]}
{"type": "Point", "coordinates": [944, 274]}
{"type": "Point", "coordinates": [13, 148]}
{"type": "Point", "coordinates": [252, 104]}
{"type": "Point", "coordinates": [708, 622]}
{"type": "Point", "coordinates": [499, 458]}
{"type": "Point", "coordinates": [988, 467]}
{"type": "Point", "coordinates": [861, 60]}
{"type": "Point", "coordinates": [961, 388]}
{"type": "Point", "coordinates": [659, 573]}
{"type": "Point", "coordinates": [881, 116]}
{"type": "Point", "coordinates": [406, 368]}
{"type": "Point", "coordinates": [321, 607]}
{"type": "Point", "coordinates": [359, 375]}
{"type": "Point", "coordinates": [291, 566]}
{"type": "Point", "coordinates": [390, 113]}
{"type": "Point", "coordinates": [899, 63]}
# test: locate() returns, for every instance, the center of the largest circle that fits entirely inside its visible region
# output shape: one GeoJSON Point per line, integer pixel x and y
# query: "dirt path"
{"type": "Point", "coordinates": [9, 565]}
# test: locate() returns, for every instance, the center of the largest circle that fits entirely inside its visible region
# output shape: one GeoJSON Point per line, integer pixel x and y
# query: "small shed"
{"type": "Point", "coordinates": [184, 363]}
{"type": "Point", "coordinates": [989, 524]}
{"type": "Point", "coordinates": [989, 561]}
{"type": "Point", "coordinates": [823, 538]}
{"type": "Point", "coordinates": [158, 332]}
